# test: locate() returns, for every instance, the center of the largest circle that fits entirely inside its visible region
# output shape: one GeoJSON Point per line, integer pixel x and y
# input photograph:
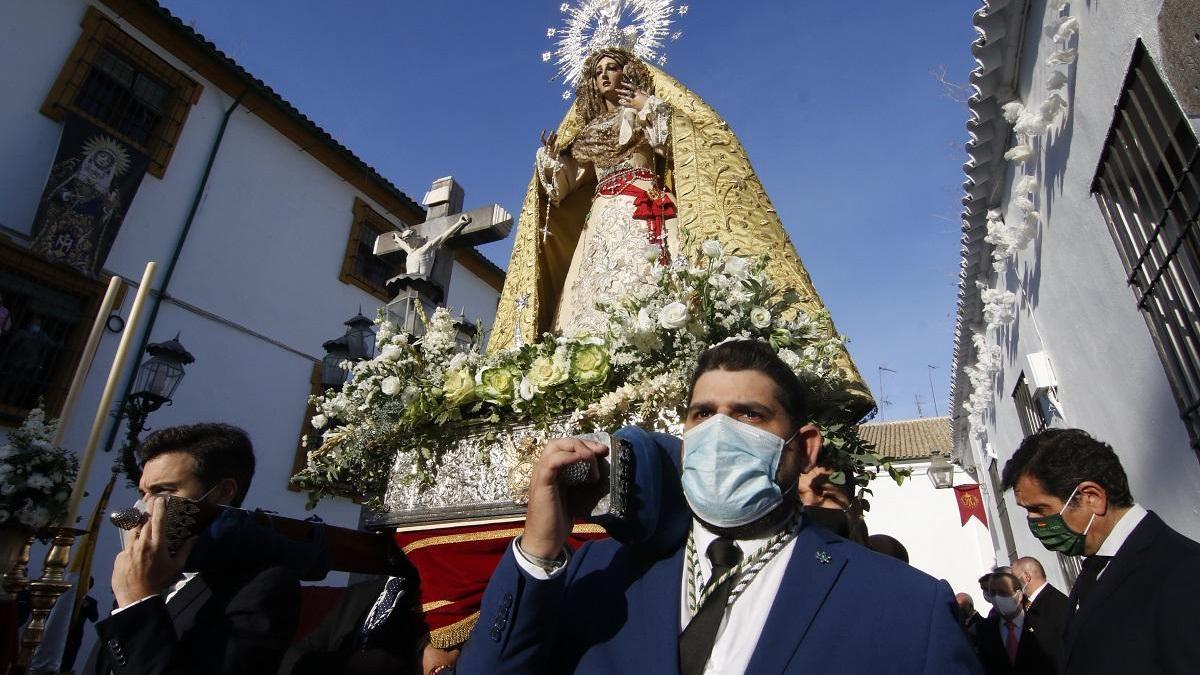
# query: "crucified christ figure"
{"type": "Point", "coordinates": [419, 259]}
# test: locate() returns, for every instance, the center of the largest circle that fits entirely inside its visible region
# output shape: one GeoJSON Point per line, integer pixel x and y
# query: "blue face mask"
{"type": "Point", "coordinates": [729, 471]}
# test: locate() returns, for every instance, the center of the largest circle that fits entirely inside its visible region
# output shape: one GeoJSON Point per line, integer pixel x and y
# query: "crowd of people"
{"type": "Point", "coordinates": [757, 562]}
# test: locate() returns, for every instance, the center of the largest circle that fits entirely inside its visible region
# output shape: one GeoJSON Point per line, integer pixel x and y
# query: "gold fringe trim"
{"type": "Point", "coordinates": [448, 637]}
{"type": "Point", "coordinates": [430, 606]}
{"type": "Point", "coordinates": [581, 528]}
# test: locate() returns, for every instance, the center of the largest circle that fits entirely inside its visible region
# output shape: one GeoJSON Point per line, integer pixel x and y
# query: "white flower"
{"type": "Point", "coordinates": [1012, 110]}
{"type": "Point", "coordinates": [711, 248]}
{"type": "Point", "coordinates": [526, 389]}
{"type": "Point", "coordinates": [1052, 107]}
{"type": "Point", "coordinates": [1023, 203]}
{"type": "Point", "coordinates": [1028, 184]}
{"type": "Point", "coordinates": [1019, 153]}
{"type": "Point", "coordinates": [644, 323]}
{"type": "Point", "coordinates": [760, 317]}
{"type": "Point", "coordinates": [673, 316]}
{"type": "Point", "coordinates": [651, 253]}
{"type": "Point", "coordinates": [390, 352]}
{"type": "Point", "coordinates": [1056, 80]}
{"type": "Point", "coordinates": [736, 265]}
{"type": "Point", "coordinates": [1061, 57]}
{"type": "Point", "coordinates": [1030, 124]}
{"type": "Point", "coordinates": [791, 358]}
{"type": "Point", "coordinates": [719, 281]}
{"type": "Point", "coordinates": [1066, 28]}
{"type": "Point", "coordinates": [545, 56]}
{"type": "Point", "coordinates": [390, 385]}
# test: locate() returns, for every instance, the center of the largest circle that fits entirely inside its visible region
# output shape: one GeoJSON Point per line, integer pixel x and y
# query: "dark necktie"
{"type": "Point", "coordinates": [1092, 567]}
{"type": "Point", "coordinates": [384, 605]}
{"type": "Point", "coordinates": [696, 641]}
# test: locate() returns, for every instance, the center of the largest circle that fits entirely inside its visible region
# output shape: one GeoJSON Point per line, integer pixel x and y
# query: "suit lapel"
{"type": "Point", "coordinates": [811, 572]}
{"type": "Point", "coordinates": [661, 586]}
{"type": "Point", "coordinates": [184, 605]}
{"type": "Point", "coordinates": [1127, 560]}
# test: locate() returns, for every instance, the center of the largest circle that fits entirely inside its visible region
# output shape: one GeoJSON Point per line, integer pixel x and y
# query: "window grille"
{"type": "Point", "coordinates": [1030, 414]}
{"type": "Point", "coordinates": [360, 266]}
{"type": "Point", "coordinates": [1148, 187]}
{"type": "Point", "coordinates": [120, 85]}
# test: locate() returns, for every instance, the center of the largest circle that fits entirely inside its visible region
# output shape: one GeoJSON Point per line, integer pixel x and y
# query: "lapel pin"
{"type": "Point", "coordinates": [824, 558]}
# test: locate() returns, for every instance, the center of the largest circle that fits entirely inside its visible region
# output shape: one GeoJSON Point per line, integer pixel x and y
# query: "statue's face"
{"type": "Point", "coordinates": [607, 77]}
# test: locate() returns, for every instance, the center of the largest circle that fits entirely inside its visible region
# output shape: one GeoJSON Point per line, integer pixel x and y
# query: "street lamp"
{"type": "Point", "coordinates": [464, 332]}
{"type": "Point", "coordinates": [941, 471]}
{"type": "Point", "coordinates": [157, 379]}
{"type": "Point", "coordinates": [360, 338]}
{"type": "Point", "coordinates": [337, 351]}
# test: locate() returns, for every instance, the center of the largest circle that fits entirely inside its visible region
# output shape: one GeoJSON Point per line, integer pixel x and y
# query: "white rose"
{"type": "Point", "coordinates": [673, 316]}
{"type": "Point", "coordinates": [319, 421]}
{"type": "Point", "coordinates": [391, 353]}
{"type": "Point", "coordinates": [760, 317]}
{"type": "Point", "coordinates": [736, 265]}
{"type": "Point", "coordinates": [390, 385]}
{"type": "Point", "coordinates": [711, 248]}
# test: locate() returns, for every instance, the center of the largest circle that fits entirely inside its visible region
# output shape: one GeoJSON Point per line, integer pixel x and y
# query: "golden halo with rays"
{"type": "Point", "coordinates": [112, 146]}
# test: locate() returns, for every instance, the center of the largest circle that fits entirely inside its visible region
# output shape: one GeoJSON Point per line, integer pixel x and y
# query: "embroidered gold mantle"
{"type": "Point", "coordinates": [718, 196]}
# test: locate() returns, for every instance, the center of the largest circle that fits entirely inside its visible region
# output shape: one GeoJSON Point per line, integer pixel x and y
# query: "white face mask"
{"type": "Point", "coordinates": [729, 471]}
{"type": "Point", "coordinates": [1007, 604]}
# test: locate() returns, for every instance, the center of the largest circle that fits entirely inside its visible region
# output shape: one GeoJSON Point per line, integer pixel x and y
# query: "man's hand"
{"type": "Point", "coordinates": [145, 568]}
{"type": "Point", "coordinates": [434, 660]}
{"type": "Point", "coordinates": [548, 519]}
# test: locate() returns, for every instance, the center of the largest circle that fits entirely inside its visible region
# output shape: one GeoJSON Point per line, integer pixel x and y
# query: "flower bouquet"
{"type": "Point", "coordinates": [425, 425]}
{"type": "Point", "coordinates": [35, 476]}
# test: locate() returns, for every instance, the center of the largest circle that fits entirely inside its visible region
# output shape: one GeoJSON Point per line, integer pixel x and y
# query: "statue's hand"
{"type": "Point", "coordinates": [631, 97]}
{"type": "Point", "coordinates": [549, 142]}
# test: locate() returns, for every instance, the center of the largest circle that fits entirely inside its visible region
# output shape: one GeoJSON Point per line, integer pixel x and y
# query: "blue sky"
{"type": "Point", "coordinates": [836, 103]}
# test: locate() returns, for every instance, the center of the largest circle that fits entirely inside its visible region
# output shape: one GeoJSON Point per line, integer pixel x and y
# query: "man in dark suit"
{"type": "Point", "coordinates": [1133, 605]}
{"type": "Point", "coordinates": [1046, 607]}
{"type": "Point", "coordinates": [1008, 641]}
{"type": "Point", "coordinates": [375, 628]}
{"type": "Point", "coordinates": [235, 619]}
{"type": "Point", "coordinates": [746, 587]}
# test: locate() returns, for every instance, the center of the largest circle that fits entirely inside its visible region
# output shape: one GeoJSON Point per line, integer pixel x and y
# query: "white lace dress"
{"type": "Point", "coordinates": [611, 257]}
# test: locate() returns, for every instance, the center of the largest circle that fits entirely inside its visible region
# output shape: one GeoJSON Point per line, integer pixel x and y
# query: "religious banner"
{"type": "Point", "coordinates": [92, 182]}
{"type": "Point", "coordinates": [970, 503]}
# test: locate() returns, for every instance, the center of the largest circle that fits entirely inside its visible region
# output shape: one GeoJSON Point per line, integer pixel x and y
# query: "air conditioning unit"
{"type": "Point", "coordinates": [1040, 376]}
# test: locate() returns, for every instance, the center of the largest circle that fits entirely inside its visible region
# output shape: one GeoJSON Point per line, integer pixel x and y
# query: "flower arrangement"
{"type": "Point", "coordinates": [35, 476]}
{"type": "Point", "coordinates": [396, 408]}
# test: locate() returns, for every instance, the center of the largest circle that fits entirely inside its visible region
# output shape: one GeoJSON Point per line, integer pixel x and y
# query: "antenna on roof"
{"type": "Point", "coordinates": [883, 400]}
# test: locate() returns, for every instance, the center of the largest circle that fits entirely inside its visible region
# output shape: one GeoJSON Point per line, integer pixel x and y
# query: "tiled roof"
{"type": "Point", "coordinates": [1001, 28]}
{"type": "Point", "coordinates": [909, 439]}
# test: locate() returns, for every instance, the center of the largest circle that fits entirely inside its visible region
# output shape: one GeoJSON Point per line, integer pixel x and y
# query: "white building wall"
{"type": "Point", "coordinates": [1073, 300]}
{"type": "Point", "coordinates": [925, 519]}
{"type": "Point", "coordinates": [256, 289]}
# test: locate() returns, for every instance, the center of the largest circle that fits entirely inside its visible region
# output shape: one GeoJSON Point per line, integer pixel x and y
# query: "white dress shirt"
{"type": "Point", "coordinates": [172, 590]}
{"type": "Point", "coordinates": [738, 634]}
{"type": "Point", "coordinates": [1018, 621]}
{"type": "Point", "coordinates": [1033, 596]}
{"type": "Point", "coordinates": [1120, 532]}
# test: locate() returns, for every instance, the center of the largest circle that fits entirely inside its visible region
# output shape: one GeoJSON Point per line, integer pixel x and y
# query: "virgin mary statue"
{"type": "Point", "coordinates": [640, 168]}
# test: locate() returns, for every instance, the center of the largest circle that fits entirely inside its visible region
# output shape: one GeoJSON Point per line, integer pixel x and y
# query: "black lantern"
{"type": "Point", "coordinates": [157, 379]}
{"type": "Point", "coordinates": [360, 337]}
{"type": "Point", "coordinates": [409, 310]}
{"type": "Point", "coordinates": [336, 352]}
{"type": "Point", "coordinates": [941, 471]}
{"type": "Point", "coordinates": [464, 332]}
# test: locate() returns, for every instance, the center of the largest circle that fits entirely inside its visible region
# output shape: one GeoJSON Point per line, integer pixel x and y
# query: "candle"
{"type": "Point", "coordinates": [110, 387]}
{"type": "Point", "coordinates": [85, 360]}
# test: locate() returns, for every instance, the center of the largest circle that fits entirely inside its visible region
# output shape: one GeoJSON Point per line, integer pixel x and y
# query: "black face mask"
{"type": "Point", "coordinates": [834, 520]}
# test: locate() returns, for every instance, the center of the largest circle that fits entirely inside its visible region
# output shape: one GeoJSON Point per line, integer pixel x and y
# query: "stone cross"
{"type": "Point", "coordinates": [427, 264]}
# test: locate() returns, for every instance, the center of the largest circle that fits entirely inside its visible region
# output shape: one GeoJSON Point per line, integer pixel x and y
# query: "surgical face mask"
{"type": "Point", "coordinates": [729, 471]}
{"type": "Point", "coordinates": [1056, 535]}
{"type": "Point", "coordinates": [1006, 604]}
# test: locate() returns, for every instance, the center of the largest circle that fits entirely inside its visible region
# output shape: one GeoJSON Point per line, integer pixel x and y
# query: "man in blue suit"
{"type": "Point", "coordinates": [749, 585]}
